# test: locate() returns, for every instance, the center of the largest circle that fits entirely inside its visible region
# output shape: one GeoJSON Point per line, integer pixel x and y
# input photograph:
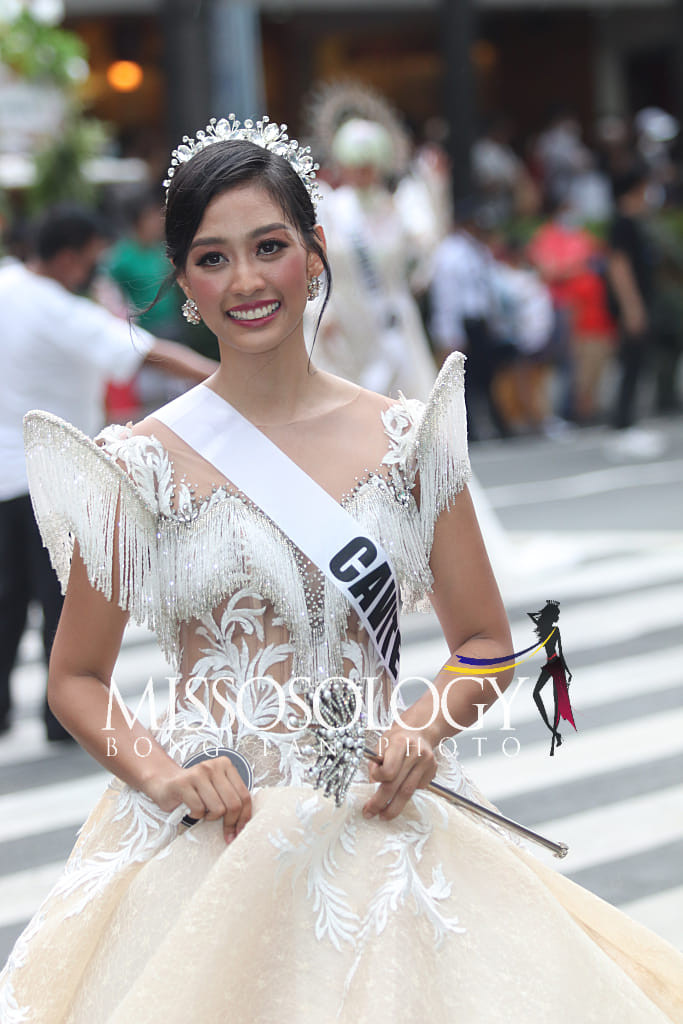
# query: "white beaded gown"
{"type": "Point", "coordinates": [313, 915]}
{"type": "Point", "coordinates": [372, 333]}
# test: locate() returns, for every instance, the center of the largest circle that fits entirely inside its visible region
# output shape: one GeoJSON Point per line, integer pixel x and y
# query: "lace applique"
{"type": "Point", "coordinates": [315, 856]}
{"type": "Point", "coordinates": [400, 425]}
{"type": "Point", "coordinates": [148, 831]}
{"type": "Point", "coordinates": [316, 853]}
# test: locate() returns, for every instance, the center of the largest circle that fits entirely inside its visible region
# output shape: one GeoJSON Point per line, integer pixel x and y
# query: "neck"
{"type": "Point", "coordinates": [46, 269]}
{"type": "Point", "coordinates": [269, 388]}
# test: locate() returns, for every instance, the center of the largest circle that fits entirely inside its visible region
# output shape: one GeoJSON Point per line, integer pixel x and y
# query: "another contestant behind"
{"type": "Point", "coordinates": [277, 905]}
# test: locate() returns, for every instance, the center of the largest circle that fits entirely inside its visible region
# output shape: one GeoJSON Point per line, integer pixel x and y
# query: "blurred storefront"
{"type": "Point", "coordinates": [599, 56]}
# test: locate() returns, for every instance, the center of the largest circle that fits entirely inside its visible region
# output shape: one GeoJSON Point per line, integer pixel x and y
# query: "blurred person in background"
{"type": "Point", "coordinates": [614, 144]}
{"type": "Point", "coordinates": [526, 320]}
{"type": "Point", "coordinates": [667, 322]}
{"type": "Point", "coordinates": [631, 267]}
{"type": "Point", "coordinates": [656, 131]}
{"type": "Point", "coordinates": [138, 265]}
{"type": "Point", "coordinates": [500, 176]}
{"type": "Point", "coordinates": [560, 154]}
{"type": "Point", "coordinates": [571, 261]}
{"type": "Point", "coordinates": [464, 310]}
{"type": "Point", "coordinates": [373, 332]}
{"type": "Point", "coordinates": [430, 166]}
{"type": "Point", "coordinates": [423, 199]}
{"type": "Point", "coordinates": [58, 350]}
{"type": "Point", "coordinates": [589, 194]}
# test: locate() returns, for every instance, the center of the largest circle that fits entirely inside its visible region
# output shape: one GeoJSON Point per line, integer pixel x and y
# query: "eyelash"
{"type": "Point", "coordinates": [204, 260]}
{"type": "Point", "coordinates": [279, 245]}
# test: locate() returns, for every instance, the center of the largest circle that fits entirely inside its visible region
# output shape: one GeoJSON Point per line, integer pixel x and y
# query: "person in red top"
{"type": "Point", "coordinates": [569, 259]}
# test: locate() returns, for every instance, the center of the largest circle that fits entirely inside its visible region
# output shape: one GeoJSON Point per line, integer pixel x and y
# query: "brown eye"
{"type": "Point", "coordinates": [210, 259]}
{"type": "Point", "coordinates": [270, 246]}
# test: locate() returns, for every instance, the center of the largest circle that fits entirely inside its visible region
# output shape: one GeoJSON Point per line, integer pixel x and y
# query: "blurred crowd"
{"type": "Point", "coordinates": [560, 275]}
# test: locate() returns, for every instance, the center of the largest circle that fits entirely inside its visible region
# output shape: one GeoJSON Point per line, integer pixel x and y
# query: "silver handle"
{"type": "Point", "coordinates": [558, 849]}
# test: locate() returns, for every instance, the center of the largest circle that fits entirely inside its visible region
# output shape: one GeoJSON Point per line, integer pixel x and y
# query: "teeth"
{"type": "Point", "coordinates": [254, 314]}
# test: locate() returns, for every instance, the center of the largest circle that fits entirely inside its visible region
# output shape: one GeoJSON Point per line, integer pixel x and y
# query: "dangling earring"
{"type": "Point", "coordinates": [313, 288]}
{"type": "Point", "coordinates": [191, 312]}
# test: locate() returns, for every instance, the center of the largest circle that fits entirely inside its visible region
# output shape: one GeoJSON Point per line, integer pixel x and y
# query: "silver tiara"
{"type": "Point", "coordinates": [264, 133]}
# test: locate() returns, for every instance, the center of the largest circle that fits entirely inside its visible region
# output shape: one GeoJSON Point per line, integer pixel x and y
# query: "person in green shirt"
{"type": "Point", "coordinates": [139, 266]}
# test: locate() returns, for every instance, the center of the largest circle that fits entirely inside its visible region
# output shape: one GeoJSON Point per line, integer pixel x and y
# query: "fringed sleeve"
{"type": "Point", "coordinates": [79, 492]}
{"type": "Point", "coordinates": [441, 454]}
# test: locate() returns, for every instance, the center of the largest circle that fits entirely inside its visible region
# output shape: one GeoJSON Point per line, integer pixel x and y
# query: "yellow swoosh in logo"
{"type": "Point", "coordinates": [494, 666]}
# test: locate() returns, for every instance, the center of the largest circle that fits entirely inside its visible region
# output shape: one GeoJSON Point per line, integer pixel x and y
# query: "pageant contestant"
{"type": "Point", "coordinates": [264, 526]}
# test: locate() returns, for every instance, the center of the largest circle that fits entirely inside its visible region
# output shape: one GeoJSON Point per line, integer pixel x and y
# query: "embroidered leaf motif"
{"type": "Point", "coordinates": [315, 856]}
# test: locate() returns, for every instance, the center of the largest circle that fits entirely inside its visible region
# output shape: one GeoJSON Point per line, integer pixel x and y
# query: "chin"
{"type": "Point", "coordinates": [251, 346]}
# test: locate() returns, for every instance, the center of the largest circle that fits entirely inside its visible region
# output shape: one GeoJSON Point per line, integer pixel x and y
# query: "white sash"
{"type": "Point", "coordinates": [314, 521]}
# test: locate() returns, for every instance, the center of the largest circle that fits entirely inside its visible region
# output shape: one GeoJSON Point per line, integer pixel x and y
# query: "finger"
{"type": "Point", "coordinates": [214, 802]}
{"type": "Point", "coordinates": [235, 796]}
{"type": "Point", "coordinates": [421, 761]}
{"type": "Point", "coordinates": [189, 796]}
{"type": "Point", "coordinates": [237, 815]}
{"type": "Point", "coordinates": [244, 817]}
{"type": "Point", "coordinates": [402, 795]}
{"type": "Point", "coordinates": [392, 759]}
{"type": "Point", "coordinates": [384, 793]}
{"type": "Point", "coordinates": [218, 790]}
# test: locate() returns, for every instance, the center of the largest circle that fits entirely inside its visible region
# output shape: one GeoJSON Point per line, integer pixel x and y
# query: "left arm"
{"type": "Point", "coordinates": [467, 602]}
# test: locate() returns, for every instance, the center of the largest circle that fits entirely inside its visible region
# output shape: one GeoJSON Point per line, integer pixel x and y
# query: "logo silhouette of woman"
{"type": "Point", "coordinates": [546, 628]}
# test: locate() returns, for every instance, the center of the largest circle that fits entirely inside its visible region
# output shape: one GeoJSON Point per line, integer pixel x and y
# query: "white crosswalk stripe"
{"type": "Point", "coordinates": [613, 791]}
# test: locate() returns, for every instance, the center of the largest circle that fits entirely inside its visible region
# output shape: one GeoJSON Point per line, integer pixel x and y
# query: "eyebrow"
{"type": "Point", "coordinates": [216, 240]}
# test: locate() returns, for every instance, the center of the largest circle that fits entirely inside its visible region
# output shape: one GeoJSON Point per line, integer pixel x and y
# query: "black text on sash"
{"type": "Point", "coordinates": [372, 588]}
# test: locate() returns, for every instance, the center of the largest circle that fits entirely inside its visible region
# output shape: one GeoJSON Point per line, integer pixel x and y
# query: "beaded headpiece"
{"type": "Point", "coordinates": [265, 134]}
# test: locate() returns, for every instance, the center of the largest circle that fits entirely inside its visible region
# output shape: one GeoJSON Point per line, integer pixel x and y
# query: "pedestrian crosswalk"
{"type": "Point", "coordinates": [613, 791]}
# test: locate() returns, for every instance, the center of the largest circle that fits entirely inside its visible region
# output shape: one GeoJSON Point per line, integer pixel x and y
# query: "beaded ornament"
{"type": "Point", "coordinates": [265, 134]}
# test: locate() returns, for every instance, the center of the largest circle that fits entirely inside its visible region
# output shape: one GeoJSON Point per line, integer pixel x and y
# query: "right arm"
{"type": "Point", "coordinates": [86, 646]}
{"type": "Point", "coordinates": [179, 361]}
{"type": "Point", "coordinates": [623, 282]}
{"type": "Point", "coordinates": [89, 333]}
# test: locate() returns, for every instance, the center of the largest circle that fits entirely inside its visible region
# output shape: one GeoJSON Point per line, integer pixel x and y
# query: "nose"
{"type": "Point", "coordinates": [247, 278]}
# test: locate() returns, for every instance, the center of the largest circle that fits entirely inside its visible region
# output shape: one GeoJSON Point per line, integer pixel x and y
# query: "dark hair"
{"type": "Point", "coordinates": [545, 619]}
{"type": "Point", "coordinates": [636, 176]}
{"type": "Point", "coordinates": [139, 202]}
{"type": "Point", "coordinates": [225, 165]}
{"type": "Point", "coordinates": [67, 226]}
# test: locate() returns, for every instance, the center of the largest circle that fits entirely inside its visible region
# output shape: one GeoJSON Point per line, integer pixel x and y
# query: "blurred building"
{"type": "Point", "coordinates": [196, 56]}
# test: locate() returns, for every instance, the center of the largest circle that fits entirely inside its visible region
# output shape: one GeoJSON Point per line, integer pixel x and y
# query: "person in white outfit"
{"type": "Point", "coordinates": [373, 331]}
{"type": "Point", "coordinates": [58, 352]}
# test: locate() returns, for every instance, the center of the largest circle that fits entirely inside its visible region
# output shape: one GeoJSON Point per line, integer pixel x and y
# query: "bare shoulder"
{"type": "Point", "coordinates": [344, 392]}
{"type": "Point", "coordinates": [146, 427]}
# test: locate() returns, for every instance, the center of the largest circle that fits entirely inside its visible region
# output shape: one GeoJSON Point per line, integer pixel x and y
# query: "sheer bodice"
{"type": "Point", "coordinates": [247, 620]}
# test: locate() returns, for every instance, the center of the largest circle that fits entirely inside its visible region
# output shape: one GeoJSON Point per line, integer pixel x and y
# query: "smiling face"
{"type": "Point", "coordinates": [248, 271]}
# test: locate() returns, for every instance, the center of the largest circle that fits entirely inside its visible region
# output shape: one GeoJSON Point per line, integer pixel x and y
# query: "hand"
{"type": "Point", "coordinates": [211, 789]}
{"type": "Point", "coordinates": [408, 763]}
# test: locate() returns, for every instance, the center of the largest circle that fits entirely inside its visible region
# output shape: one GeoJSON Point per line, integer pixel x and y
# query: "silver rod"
{"type": "Point", "coordinates": [558, 849]}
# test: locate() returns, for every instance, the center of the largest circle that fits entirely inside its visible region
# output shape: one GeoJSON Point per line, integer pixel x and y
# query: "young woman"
{"type": "Point", "coordinates": [279, 905]}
